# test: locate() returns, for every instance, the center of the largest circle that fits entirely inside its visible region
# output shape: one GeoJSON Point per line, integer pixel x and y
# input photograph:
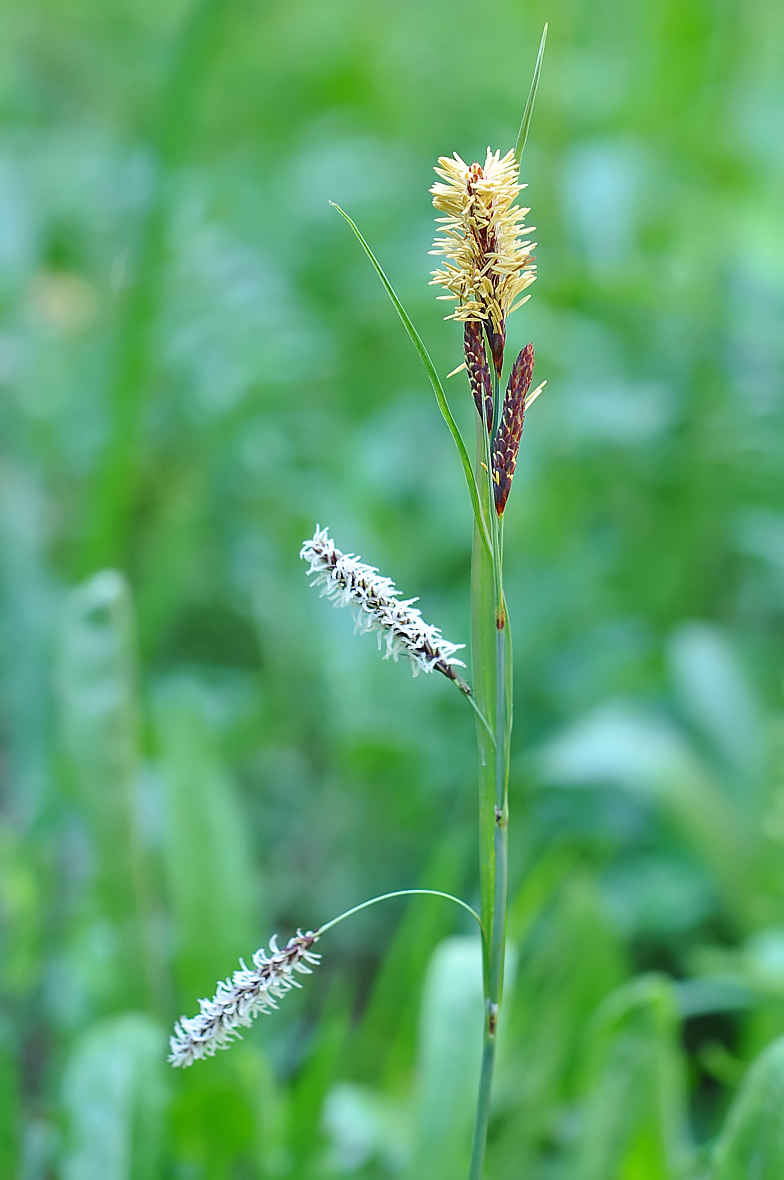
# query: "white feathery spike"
{"type": "Point", "coordinates": [377, 604]}
{"type": "Point", "coordinates": [237, 1001]}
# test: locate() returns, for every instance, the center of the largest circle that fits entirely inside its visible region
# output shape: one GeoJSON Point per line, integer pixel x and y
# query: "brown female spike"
{"type": "Point", "coordinates": [478, 371]}
{"type": "Point", "coordinates": [507, 440]}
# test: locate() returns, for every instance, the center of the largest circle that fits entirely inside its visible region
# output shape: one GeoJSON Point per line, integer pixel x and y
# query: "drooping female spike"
{"type": "Point", "coordinates": [478, 371]}
{"type": "Point", "coordinates": [507, 441]}
{"type": "Point", "coordinates": [237, 1001]}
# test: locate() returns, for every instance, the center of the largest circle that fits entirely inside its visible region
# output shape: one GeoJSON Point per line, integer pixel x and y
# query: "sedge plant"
{"type": "Point", "coordinates": [487, 263]}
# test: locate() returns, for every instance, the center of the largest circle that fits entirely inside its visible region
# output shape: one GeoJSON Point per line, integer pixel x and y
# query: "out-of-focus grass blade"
{"type": "Point", "coordinates": [718, 698]}
{"type": "Point", "coordinates": [522, 134]}
{"type": "Point", "coordinates": [25, 625]}
{"type": "Point", "coordinates": [265, 1098]}
{"type": "Point", "coordinates": [643, 753]}
{"type": "Point", "coordinates": [226, 1117]}
{"type": "Point", "coordinates": [450, 1044]}
{"type": "Point", "coordinates": [22, 894]}
{"type": "Point", "coordinates": [537, 888]}
{"type": "Point", "coordinates": [9, 1114]}
{"type": "Point", "coordinates": [435, 380]}
{"type": "Point", "coordinates": [571, 959]}
{"type": "Point", "coordinates": [98, 715]}
{"type": "Point", "coordinates": [114, 1094]}
{"type": "Point", "coordinates": [386, 1042]}
{"type": "Point", "coordinates": [634, 1116]}
{"type": "Point", "coordinates": [752, 1140]}
{"type": "Point", "coordinates": [211, 883]}
{"type": "Point", "coordinates": [306, 1100]}
{"type": "Point", "coordinates": [364, 1126]}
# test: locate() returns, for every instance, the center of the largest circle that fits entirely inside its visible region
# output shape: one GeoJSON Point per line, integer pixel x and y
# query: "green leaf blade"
{"type": "Point", "coordinates": [435, 380]}
{"type": "Point", "coordinates": [522, 134]}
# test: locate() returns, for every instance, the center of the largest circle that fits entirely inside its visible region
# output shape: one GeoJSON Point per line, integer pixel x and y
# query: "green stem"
{"type": "Point", "coordinates": [492, 647]}
{"type": "Point", "coordinates": [482, 1109]}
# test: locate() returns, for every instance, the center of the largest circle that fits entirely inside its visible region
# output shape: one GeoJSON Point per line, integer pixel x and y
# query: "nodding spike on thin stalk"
{"type": "Point", "coordinates": [238, 1000]}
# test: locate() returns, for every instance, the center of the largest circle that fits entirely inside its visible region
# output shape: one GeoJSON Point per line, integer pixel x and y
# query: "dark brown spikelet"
{"type": "Point", "coordinates": [507, 440]}
{"type": "Point", "coordinates": [497, 342]}
{"type": "Point", "coordinates": [478, 371]}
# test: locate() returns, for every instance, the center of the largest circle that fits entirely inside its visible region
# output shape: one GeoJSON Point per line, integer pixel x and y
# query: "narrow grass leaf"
{"type": "Point", "coordinates": [435, 381]}
{"type": "Point", "coordinates": [522, 134]}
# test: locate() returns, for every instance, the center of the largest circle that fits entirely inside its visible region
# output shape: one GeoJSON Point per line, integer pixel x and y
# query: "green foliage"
{"type": "Point", "coordinates": [197, 364]}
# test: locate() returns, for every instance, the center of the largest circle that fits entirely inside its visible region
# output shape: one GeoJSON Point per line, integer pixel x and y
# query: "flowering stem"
{"type": "Point", "coordinates": [492, 665]}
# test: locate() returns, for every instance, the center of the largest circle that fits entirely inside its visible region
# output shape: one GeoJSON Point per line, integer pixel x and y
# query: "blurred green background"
{"type": "Point", "coordinates": [197, 364]}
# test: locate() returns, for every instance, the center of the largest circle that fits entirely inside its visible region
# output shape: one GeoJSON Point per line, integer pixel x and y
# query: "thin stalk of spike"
{"type": "Point", "coordinates": [469, 696]}
{"type": "Point", "coordinates": [399, 893]}
{"type": "Point", "coordinates": [522, 134]}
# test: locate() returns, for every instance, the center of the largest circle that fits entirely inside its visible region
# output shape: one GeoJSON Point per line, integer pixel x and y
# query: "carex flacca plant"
{"type": "Point", "coordinates": [485, 266]}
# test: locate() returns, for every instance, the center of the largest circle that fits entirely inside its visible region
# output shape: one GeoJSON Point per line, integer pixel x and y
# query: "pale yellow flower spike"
{"type": "Point", "coordinates": [488, 265]}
